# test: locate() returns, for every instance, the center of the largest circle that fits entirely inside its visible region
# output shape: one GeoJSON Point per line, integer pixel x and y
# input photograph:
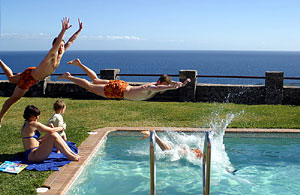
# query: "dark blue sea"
{"type": "Point", "coordinates": [233, 63]}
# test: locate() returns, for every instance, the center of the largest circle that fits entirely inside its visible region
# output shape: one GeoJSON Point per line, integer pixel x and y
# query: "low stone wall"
{"type": "Point", "coordinates": [273, 92]}
{"type": "Point", "coordinates": [239, 94]}
{"type": "Point", "coordinates": [291, 95]}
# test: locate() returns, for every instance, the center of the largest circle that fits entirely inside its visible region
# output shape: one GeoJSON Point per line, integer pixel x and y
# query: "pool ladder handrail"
{"type": "Point", "coordinates": [206, 161]}
{"type": "Point", "coordinates": [205, 164]}
{"type": "Point", "coordinates": [152, 163]}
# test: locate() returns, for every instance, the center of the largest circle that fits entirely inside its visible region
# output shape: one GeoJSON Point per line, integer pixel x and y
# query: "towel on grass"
{"type": "Point", "coordinates": [53, 161]}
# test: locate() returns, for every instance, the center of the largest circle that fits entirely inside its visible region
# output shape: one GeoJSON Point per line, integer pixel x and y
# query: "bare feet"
{"type": "Point", "coordinates": [77, 158]}
{"type": "Point", "coordinates": [64, 76]}
{"type": "Point", "coordinates": [75, 62]}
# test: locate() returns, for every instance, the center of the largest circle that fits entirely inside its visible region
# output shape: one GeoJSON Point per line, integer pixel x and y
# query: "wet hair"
{"type": "Point", "coordinates": [59, 104]}
{"type": "Point", "coordinates": [30, 111]}
{"type": "Point", "coordinates": [54, 40]}
{"type": "Point", "coordinates": [165, 78]}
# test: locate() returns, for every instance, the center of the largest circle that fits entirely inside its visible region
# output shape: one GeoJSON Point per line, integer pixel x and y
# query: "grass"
{"type": "Point", "coordinates": [85, 115]}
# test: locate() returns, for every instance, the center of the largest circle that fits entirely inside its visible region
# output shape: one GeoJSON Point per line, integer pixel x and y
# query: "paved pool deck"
{"type": "Point", "coordinates": [60, 181]}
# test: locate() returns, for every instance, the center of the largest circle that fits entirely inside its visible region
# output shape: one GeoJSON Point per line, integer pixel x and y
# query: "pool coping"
{"type": "Point", "coordinates": [60, 181]}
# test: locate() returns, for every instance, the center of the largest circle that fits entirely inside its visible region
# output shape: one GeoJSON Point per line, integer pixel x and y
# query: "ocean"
{"type": "Point", "coordinates": [225, 63]}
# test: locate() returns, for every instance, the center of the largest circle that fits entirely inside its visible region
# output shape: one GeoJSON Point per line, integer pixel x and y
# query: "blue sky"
{"type": "Point", "coordinates": [153, 24]}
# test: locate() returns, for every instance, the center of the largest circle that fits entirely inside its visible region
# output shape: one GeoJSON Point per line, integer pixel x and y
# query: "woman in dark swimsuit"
{"type": "Point", "coordinates": [36, 150]}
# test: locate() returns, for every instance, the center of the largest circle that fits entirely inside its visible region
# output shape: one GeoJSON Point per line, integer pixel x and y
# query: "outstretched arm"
{"type": "Point", "coordinates": [74, 36]}
{"type": "Point", "coordinates": [153, 83]}
{"type": "Point", "coordinates": [180, 84]}
{"type": "Point", "coordinates": [163, 146]}
{"type": "Point", "coordinates": [65, 27]}
{"type": "Point", "coordinates": [174, 85]}
{"type": "Point", "coordinates": [46, 129]}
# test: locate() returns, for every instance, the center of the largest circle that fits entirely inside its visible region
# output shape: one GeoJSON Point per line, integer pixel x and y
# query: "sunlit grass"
{"type": "Point", "coordinates": [82, 116]}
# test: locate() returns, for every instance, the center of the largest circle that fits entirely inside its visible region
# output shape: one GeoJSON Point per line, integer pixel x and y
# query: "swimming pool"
{"type": "Point", "coordinates": [265, 166]}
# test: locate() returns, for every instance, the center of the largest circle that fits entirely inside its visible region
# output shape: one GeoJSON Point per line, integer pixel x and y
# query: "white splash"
{"type": "Point", "coordinates": [181, 143]}
{"type": "Point", "coordinates": [179, 140]}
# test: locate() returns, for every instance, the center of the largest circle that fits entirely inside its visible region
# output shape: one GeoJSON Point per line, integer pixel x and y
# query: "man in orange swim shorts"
{"type": "Point", "coordinates": [118, 88]}
{"type": "Point", "coordinates": [32, 75]}
{"type": "Point", "coordinates": [115, 89]}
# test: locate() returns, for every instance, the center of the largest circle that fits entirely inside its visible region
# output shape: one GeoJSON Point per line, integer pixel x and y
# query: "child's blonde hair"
{"type": "Point", "coordinates": [59, 104]}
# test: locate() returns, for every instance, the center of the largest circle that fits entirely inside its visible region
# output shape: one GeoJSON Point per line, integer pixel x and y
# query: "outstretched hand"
{"type": "Point", "coordinates": [186, 82]}
{"type": "Point", "coordinates": [80, 24]}
{"type": "Point", "coordinates": [146, 134]}
{"type": "Point", "coordinates": [65, 23]}
{"type": "Point", "coordinates": [180, 84]}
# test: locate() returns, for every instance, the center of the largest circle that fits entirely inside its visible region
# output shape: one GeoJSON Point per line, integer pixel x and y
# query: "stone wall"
{"type": "Point", "coordinates": [239, 94]}
{"type": "Point", "coordinates": [291, 95]}
{"type": "Point", "coordinates": [273, 92]}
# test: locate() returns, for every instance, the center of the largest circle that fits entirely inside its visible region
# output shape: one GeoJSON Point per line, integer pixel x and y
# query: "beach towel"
{"type": "Point", "coordinates": [53, 161]}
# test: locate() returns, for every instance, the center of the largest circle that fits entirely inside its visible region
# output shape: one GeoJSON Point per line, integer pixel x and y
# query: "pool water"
{"type": "Point", "coordinates": [264, 166]}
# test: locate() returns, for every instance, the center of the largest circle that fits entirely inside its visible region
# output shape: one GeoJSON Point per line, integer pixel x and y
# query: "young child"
{"type": "Point", "coordinates": [57, 119]}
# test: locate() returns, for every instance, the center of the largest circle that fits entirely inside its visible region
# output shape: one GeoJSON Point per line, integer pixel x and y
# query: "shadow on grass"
{"type": "Point", "coordinates": [9, 157]}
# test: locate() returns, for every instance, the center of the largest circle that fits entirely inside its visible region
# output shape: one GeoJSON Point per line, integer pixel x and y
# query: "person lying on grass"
{"type": "Point", "coordinates": [38, 150]}
{"type": "Point", "coordinates": [121, 89]}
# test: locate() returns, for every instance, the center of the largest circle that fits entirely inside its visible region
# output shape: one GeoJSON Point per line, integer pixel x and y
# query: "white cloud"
{"type": "Point", "coordinates": [25, 36]}
{"type": "Point", "coordinates": [110, 37]}
{"type": "Point", "coordinates": [82, 37]}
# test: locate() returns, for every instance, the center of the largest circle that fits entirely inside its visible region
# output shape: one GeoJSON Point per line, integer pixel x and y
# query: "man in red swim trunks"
{"type": "Point", "coordinates": [26, 80]}
{"type": "Point", "coordinates": [32, 75]}
{"type": "Point", "coordinates": [115, 89]}
{"type": "Point", "coordinates": [121, 89]}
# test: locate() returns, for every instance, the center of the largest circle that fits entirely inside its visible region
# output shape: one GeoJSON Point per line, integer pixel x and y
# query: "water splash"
{"type": "Point", "coordinates": [218, 126]}
{"type": "Point", "coordinates": [179, 140]}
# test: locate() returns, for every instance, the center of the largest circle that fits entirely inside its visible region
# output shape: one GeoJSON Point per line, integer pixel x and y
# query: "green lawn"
{"type": "Point", "coordinates": [82, 116]}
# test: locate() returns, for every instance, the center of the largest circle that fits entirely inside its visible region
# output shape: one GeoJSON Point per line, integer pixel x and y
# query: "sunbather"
{"type": "Point", "coordinates": [35, 149]}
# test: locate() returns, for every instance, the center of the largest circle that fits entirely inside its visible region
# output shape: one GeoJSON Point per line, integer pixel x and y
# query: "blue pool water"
{"type": "Point", "coordinates": [264, 166]}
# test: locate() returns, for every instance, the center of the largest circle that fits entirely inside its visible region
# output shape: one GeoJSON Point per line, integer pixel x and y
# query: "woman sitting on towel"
{"type": "Point", "coordinates": [36, 150]}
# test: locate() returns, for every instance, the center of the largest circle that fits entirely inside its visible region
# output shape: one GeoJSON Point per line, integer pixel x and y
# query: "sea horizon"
{"type": "Point", "coordinates": [229, 50]}
{"type": "Point", "coordinates": [206, 62]}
